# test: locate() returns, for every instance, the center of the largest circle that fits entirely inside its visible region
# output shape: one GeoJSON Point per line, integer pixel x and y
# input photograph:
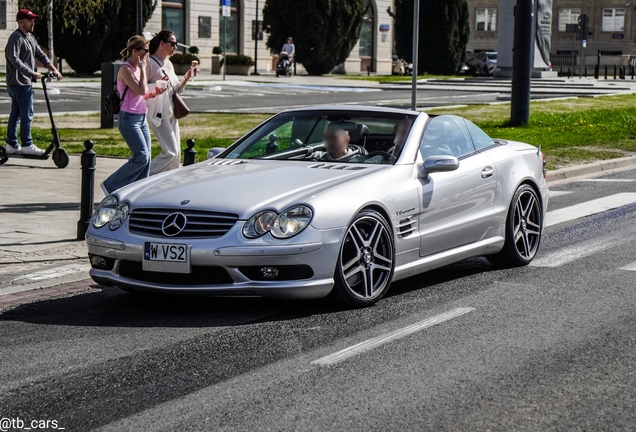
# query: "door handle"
{"type": "Point", "coordinates": [487, 172]}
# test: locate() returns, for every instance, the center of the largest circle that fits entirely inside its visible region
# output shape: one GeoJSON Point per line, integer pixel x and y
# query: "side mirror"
{"type": "Point", "coordinates": [215, 151]}
{"type": "Point", "coordinates": [441, 163]}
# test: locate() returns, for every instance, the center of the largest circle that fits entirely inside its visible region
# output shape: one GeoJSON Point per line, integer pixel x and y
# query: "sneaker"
{"type": "Point", "coordinates": [32, 150]}
{"type": "Point", "coordinates": [12, 150]}
{"type": "Point", "coordinates": [104, 189]}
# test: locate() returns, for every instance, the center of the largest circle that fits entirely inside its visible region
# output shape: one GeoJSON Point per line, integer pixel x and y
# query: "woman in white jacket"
{"type": "Point", "coordinates": [162, 122]}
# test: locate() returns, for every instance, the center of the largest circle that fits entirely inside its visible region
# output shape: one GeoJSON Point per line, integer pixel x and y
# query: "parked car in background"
{"type": "Point", "coordinates": [483, 64]}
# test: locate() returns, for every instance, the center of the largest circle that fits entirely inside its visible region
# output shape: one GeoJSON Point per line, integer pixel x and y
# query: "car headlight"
{"type": "Point", "coordinates": [119, 217]}
{"type": "Point", "coordinates": [259, 224]}
{"type": "Point", "coordinates": [105, 211]}
{"type": "Point", "coordinates": [289, 223]}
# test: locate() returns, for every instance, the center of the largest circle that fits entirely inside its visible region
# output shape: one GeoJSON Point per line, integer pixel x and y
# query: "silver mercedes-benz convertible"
{"type": "Point", "coordinates": [335, 200]}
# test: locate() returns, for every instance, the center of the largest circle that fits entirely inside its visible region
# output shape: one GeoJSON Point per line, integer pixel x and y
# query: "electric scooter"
{"type": "Point", "coordinates": [60, 157]}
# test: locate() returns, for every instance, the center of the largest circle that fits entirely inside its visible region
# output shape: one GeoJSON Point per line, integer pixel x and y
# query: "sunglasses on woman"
{"type": "Point", "coordinates": [174, 44]}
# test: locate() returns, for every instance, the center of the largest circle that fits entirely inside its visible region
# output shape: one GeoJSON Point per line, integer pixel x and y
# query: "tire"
{"type": "Point", "coordinates": [3, 155]}
{"type": "Point", "coordinates": [524, 225]}
{"type": "Point", "coordinates": [366, 261]}
{"type": "Point", "coordinates": [60, 158]}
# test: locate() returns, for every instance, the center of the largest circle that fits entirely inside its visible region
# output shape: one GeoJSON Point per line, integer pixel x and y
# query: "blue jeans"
{"type": "Point", "coordinates": [22, 112]}
{"type": "Point", "coordinates": [134, 129]}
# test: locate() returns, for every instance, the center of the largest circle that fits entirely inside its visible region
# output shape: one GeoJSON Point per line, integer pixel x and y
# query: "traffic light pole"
{"type": "Point", "coordinates": [522, 63]}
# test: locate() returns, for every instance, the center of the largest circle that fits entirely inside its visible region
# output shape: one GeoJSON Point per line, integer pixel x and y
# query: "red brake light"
{"type": "Point", "coordinates": [545, 169]}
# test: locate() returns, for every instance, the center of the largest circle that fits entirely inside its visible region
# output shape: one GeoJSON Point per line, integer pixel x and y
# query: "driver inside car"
{"type": "Point", "coordinates": [337, 148]}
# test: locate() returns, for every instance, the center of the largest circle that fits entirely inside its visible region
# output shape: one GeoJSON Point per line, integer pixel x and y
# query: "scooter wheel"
{"type": "Point", "coordinates": [3, 155]}
{"type": "Point", "coordinates": [60, 158]}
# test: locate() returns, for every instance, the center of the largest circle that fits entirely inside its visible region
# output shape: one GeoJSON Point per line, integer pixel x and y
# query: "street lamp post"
{"type": "Point", "coordinates": [522, 63]}
{"type": "Point", "coordinates": [416, 38]}
{"type": "Point", "coordinates": [255, 35]}
{"type": "Point", "coordinates": [140, 19]}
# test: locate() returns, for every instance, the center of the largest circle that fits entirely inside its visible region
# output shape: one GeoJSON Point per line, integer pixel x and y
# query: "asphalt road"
{"type": "Point", "coordinates": [550, 346]}
{"type": "Point", "coordinates": [273, 97]}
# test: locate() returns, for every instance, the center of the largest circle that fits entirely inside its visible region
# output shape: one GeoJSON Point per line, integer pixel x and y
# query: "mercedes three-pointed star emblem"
{"type": "Point", "coordinates": [174, 224]}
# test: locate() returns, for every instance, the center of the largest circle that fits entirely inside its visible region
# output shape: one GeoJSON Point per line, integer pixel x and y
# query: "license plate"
{"type": "Point", "coordinates": [166, 258]}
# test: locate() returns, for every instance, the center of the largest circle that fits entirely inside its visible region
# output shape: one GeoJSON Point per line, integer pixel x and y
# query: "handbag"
{"type": "Point", "coordinates": [180, 108]}
{"type": "Point", "coordinates": [113, 103]}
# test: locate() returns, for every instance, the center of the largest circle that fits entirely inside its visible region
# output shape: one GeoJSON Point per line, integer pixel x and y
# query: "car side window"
{"type": "Point", "coordinates": [446, 135]}
{"type": "Point", "coordinates": [481, 140]}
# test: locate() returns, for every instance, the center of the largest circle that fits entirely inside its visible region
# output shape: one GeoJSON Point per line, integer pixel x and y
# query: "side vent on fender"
{"type": "Point", "coordinates": [406, 226]}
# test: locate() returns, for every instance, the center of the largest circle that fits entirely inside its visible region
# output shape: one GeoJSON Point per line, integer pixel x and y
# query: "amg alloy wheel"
{"type": "Point", "coordinates": [524, 226]}
{"type": "Point", "coordinates": [366, 261]}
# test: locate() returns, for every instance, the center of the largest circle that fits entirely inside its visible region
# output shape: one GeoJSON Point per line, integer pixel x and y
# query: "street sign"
{"type": "Point", "coordinates": [584, 19]}
{"type": "Point", "coordinates": [227, 11]}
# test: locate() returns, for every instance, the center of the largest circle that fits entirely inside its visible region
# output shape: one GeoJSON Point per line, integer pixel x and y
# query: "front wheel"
{"type": "Point", "coordinates": [366, 261]}
{"type": "Point", "coordinates": [523, 229]}
{"type": "Point", "coordinates": [3, 155]}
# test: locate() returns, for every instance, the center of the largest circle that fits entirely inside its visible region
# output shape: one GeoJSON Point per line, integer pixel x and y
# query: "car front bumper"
{"type": "Point", "coordinates": [218, 266]}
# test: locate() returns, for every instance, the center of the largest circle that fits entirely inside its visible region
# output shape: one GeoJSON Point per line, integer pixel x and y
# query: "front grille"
{"type": "Point", "coordinates": [201, 275]}
{"type": "Point", "coordinates": [200, 224]}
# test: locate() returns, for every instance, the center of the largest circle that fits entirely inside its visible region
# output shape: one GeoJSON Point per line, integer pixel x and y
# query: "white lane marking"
{"type": "Point", "coordinates": [388, 337]}
{"type": "Point", "coordinates": [580, 250]}
{"type": "Point", "coordinates": [589, 208]}
{"type": "Point", "coordinates": [553, 193]}
{"type": "Point", "coordinates": [606, 180]}
{"type": "Point", "coordinates": [630, 267]}
{"type": "Point", "coordinates": [53, 273]}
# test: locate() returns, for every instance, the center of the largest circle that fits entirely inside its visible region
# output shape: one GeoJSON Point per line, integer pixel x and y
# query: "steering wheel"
{"type": "Point", "coordinates": [386, 156]}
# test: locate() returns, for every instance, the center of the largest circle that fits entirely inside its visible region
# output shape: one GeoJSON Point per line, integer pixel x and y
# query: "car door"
{"type": "Point", "coordinates": [456, 207]}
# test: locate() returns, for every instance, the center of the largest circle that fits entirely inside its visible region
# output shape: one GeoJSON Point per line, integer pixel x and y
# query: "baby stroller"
{"type": "Point", "coordinates": [284, 65]}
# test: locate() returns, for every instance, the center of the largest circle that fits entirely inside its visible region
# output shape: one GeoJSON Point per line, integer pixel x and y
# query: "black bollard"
{"type": "Point", "coordinates": [596, 71]}
{"type": "Point", "coordinates": [614, 71]}
{"type": "Point", "coordinates": [605, 71]}
{"type": "Point", "coordinates": [585, 73]}
{"type": "Point", "coordinates": [88, 161]}
{"type": "Point", "coordinates": [190, 154]}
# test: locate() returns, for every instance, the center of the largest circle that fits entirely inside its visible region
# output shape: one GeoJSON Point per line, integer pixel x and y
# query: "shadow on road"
{"type": "Point", "coordinates": [39, 207]}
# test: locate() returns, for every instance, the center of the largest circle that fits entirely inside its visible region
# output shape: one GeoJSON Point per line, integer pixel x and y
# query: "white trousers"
{"type": "Point", "coordinates": [167, 134]}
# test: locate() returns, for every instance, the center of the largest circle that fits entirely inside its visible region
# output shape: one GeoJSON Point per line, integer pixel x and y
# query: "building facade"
{"type": "Point", "coordinates": [200, 23]}
{"type": "Point", "coordinates": [612, 30]}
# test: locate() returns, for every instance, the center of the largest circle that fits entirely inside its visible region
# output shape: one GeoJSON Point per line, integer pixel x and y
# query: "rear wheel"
{"type": "Point", "coordinates": [366, 261]}
{"type": "Point", "coordinates": [3, 155]}
{"type": "Point", "coordinates": [60, 158]}
{"type": "Point", "coordinates": [523, 229]}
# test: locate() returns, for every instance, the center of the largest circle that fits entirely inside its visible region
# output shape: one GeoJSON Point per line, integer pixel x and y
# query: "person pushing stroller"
{"type": "Point", "coordinates": [286, 58]}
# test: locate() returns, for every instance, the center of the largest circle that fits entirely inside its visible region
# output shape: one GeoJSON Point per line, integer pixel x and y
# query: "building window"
{"type": "Point", "coordinates": [366, 33]}
{"type": "Point", "coordinates": [613, 19]}
{"type": "Point", "coordinates": [486, 19]}
{"type": "Point", "coordinates": [173, 18]}
{"type": "Point", "coordinates": [232, 30]}
{"type": "Point", "coordinates": [568, 16]}
{"type": "Point", "coordinates": [3, 14]}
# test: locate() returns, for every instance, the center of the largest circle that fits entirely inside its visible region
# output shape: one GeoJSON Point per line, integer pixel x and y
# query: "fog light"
{"type": "Point", "coordinates": [268, 272]}
{"type": "Point", "coordinates": [98, 262]}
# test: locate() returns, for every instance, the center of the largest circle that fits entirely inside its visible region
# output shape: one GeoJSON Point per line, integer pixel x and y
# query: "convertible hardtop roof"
{"type": "Point", "coordinates": [355, 109]}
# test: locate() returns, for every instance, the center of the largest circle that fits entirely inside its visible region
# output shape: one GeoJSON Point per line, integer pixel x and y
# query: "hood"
{"type": "Point", "coordinates": [242, 187]}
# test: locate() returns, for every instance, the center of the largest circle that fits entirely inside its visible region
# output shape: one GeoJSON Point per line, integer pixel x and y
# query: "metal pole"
{"type": "Point", "coordinates": [49, 26]}
{"type": "Point", "coordinates": [189, 154]}
{"type": "Point", "coordinates": [416, 38]}
{"type": "Point", "coordinates": [88, 162]}
{"type": "Point", "coordinates": [224, 45]}
{"type": "Point", "coordinates": [522, 63]}
{"type": "Point", "coordinates": [256, 29]}
{"type": "Point", "coordinates": [140, 20]}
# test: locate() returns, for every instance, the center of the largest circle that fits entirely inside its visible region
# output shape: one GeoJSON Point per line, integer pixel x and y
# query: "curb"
{"type": "Point", "coordinates": [591, 168]}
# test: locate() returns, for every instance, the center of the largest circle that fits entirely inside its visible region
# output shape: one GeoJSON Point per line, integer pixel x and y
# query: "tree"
{"type": "Point", "coordinates": [444, 32]}
{"type": "Point", "coordinates": [324, 31]}
{"type": "Point", "coordinates": [88, 32]}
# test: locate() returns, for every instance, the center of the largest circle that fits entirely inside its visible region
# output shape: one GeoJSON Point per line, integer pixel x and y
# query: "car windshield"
{"type": "Point", "coordinates": [492, 56]}
{"type": "Point", "coordinates": [334, 136]}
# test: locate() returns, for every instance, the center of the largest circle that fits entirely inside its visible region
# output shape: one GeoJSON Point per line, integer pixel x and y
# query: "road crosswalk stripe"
{"type": "Point", "coordinates": [630, 267]}
{"type": "Point", "coordinates": [388, 337]}
{"type": "Point", "coordinates": [606, 180]}
{"type": "Point", "coordinates": [53, 273]}
{"type": "Point", "coordinates": [554, 194]}
{"type": "Point", "coordinates": [580, 250]}
{"type": "Point", "coordinates": [589, 208]}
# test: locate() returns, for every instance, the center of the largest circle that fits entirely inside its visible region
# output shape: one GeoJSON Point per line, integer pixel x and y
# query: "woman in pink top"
{"type": "Point", "coordinates": [132, 85]}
